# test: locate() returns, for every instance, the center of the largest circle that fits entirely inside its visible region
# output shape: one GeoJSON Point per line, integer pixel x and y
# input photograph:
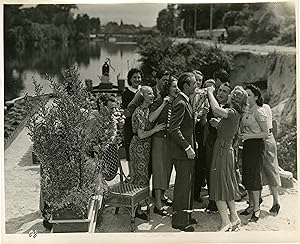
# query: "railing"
{"type": "Point", "coordinates": [8, 141]}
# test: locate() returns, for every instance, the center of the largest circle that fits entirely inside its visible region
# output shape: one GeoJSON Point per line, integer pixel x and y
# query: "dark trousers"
{"type": "Point", "coordinates": [209, 148]}
{"type": "Point", "coordinates": [183, 192]}
{"type": "Point", "coordinates": [199, 166]}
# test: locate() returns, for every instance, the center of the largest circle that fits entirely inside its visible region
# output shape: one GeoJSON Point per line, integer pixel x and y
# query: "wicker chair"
{"type": "Point", "coordinates": [128, 196]}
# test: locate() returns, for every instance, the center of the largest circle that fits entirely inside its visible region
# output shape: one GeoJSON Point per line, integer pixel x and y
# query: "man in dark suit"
{"type": "Point", "coordinates": [182, 145]}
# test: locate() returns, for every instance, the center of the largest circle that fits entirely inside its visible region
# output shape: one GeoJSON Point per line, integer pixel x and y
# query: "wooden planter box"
{"type": "Point", "coordinates": [69, 222]}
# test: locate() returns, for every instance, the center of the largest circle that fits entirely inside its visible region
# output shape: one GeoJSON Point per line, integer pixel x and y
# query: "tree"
{"type": "Point", "coordinates": [95, 25]}
{"type": "Point", "coordinates": [111, 27]}
{"type": "Point", "coordinates": [166, 21]}
{"type": "Point", "coordinates": [82, 24]}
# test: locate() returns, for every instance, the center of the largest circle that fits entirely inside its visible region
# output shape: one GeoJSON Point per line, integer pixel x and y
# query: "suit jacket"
{"type": "Point", "coordinates": [181, 128]}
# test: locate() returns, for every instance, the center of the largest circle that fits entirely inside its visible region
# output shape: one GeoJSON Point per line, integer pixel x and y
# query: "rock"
{"type": "Point", "coordinates": [286, 178]}
{"type": "Point", "coordinates": [275, 71]}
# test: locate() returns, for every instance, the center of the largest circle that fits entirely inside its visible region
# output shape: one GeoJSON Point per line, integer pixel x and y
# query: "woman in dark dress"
{"type": "Point", "coordinates": [224, 189]}
{"type": "Point", "coordinates": [161, 160]}
{"type": "Point", "coordinates": [140, 146]}
{"type": "Point", "coordinates": [253, 131]}
{"type": "Point", "coordinates": [134, 79]}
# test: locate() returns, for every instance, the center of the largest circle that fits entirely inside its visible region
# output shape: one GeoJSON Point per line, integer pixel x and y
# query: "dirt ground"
{"type": "Point", "coordinates": [22, 203]}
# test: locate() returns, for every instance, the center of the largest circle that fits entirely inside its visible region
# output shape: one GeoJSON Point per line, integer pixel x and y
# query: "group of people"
{"type": "Point", "coordinates": [197, 128]}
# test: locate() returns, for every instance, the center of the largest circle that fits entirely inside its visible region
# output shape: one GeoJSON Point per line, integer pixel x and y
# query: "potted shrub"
{"type": "Point", "coordinates": [68, 137]}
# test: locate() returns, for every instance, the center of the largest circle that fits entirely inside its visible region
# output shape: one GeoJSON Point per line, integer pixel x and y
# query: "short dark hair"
{"type": "Point", "coordinates": [184, 78]}
{"type": "Point", "coordinates": [228, 85]}
{"type": "Point", "coordinates": [221, 74]}
{"type": "Point", "coordinates": [131, 73]}
{"type": "Point", "coordinates": [161, 73]}
{"type": "Point", "coordinates": [256, 91]}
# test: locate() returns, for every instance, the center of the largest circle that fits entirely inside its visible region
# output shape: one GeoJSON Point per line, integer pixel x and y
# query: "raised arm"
{"type": "Point", "coordinates": [217, 110]}
{"type": "Point", "coordinates": [154, 115]}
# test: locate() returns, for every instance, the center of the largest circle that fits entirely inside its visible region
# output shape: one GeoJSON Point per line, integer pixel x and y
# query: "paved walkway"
{"type": "Point", "coordinates": [22, 202]}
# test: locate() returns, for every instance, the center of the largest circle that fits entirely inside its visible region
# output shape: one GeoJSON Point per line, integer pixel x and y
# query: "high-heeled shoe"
{"type": "Point", "coordinates": [226, 228]}
{"type": "Point", "coordinates": [247, 211]}
{"type": "Point", "coordinates": [275, 208]}
{"type": "Point", "coordinates": [161, 212]}
{"type": "Point", "coordinates": [236, 224]}
{"type": "Point", "coordinates": [255, 216]}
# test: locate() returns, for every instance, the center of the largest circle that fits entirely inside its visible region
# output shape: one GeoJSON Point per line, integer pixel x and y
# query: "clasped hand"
{"type": "Point", "coordinates": [214, 122]}
{"type": "Point", "coordinates": [159, 127]}
{"type": "Point", "coordinates": [166, 99]}
{"type": "Point", "coordinates": [243, 136]}
{"type": "Point", "coordinates": [210, 89]}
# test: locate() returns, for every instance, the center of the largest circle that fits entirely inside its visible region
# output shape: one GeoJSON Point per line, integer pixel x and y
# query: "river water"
{"type": "Point", "coordinates": [21, 69]}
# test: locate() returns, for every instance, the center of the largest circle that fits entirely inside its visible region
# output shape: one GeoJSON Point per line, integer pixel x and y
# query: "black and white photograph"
{"type": "Point", "coordinates": [150, 119]}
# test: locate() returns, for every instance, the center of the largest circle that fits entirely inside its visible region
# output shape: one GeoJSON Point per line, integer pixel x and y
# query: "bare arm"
{"type": "Point", "coordinates": [262, 121]}
{"type": "Point", "coordinates": [216, 109]}
{"type": "Point", "coordinates": [142, 134]}
{"type": "Point", "coordinates": [153, 115]}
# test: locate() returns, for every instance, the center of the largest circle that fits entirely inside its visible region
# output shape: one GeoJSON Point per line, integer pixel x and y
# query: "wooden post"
{"type": "Point", "coordinates": [195, 21]}
{"type": "Point", "coordinates": [211, 22]}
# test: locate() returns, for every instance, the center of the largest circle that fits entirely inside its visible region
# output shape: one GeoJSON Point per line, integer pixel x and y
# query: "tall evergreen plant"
{"type": "Point", "coordinates": [68, 137]}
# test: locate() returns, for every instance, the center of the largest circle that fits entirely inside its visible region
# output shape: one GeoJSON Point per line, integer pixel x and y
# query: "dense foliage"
{"type": "Point", "coordinates": [160, 53]}
{"type": "Point", "coordinates": [273, 23]}
{"type": "Point", "coordinates": [38, 26]}
{"type": "Point", "coordinates": [68, 139]}
{"type": "Point", "coordinates": [54, 24]}
{"type": "Point", "coordinates": [287, 149]}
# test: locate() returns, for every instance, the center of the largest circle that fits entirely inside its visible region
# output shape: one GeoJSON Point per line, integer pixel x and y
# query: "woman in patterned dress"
{"type": "Point", "coordinates": [134, 79]}
{"type": "Point", "coordinates": [140, 146]}
{"type": "Point", "coordinates": [224, 188]}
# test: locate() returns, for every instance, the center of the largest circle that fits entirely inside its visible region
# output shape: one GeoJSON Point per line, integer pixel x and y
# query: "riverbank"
{"type": "Point", "coordinates": [258, 49]}
{"type": "Point", "coordinates": [22, 203]}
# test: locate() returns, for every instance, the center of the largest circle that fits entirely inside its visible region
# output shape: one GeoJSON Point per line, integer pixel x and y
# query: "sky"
{"type": "Point", "coordinates": [131, 13]}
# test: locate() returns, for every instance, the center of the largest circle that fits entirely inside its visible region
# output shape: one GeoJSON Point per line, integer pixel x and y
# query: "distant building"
{"type": "Point", "coordinates": [216, 34]}
{"type": "Point", "coordinates": [93, 36]}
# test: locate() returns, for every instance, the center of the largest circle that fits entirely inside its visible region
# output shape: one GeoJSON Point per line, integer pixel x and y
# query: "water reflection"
{"type": "Point", "coordinates": [20, 68]}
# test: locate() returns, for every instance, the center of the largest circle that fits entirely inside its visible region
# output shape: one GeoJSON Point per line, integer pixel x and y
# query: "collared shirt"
{"type": "Point", "coordinates": [185, 96]}
{"type": "Point", "coordinates": [134, 90]}
{"type": "Point", "coordinates": [251, 119]}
